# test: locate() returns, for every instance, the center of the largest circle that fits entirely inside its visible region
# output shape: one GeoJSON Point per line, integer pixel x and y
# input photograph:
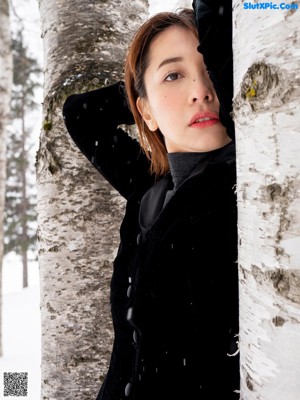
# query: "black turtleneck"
{"type": "Point", "coordinates": [183, 164]}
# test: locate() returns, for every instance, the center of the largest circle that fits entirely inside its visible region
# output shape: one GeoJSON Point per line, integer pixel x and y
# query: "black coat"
{"type": "Point", "coordinates": [174, 290]}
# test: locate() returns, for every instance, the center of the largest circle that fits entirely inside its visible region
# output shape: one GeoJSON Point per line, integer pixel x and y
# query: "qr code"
{"type": "Point", "coordinates": [15, 384]}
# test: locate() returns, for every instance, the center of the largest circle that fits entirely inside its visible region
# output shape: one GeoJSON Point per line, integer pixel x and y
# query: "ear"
{"type": "Point", "coordinates": [143, 107]}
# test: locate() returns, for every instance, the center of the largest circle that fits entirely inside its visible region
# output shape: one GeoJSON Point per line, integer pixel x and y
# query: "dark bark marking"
{"type": "Point", "coordinates": [279, 197]}
{"type": "Point", "coordinates": [258, 81]}
{"type": "Point", "coordinates": [266, 85]}
{"type": "Point", "coordinates": [249, 382]}
{"type": "Point", "coordinates": [273, 192]}
{"type": "Point", "coordinates": [287, 284]}
{"type": "Point", "coordinates": [278, 321]}
{"type": "Point", "coordinates": [50, 309]}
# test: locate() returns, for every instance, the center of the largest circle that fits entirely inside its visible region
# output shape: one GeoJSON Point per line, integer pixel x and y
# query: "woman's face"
{"type": "Point", "coordinates": [181, 100]}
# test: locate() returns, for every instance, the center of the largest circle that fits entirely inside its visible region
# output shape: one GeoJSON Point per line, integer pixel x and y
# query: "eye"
{"type": "Point", "coordinates": [173, 76]}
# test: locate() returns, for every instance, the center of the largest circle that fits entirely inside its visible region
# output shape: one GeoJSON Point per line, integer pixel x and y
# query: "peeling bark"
{"type": "Point", "coordinates": [266, 102]}
{"type": "Point", "coordinates": [78, 212]}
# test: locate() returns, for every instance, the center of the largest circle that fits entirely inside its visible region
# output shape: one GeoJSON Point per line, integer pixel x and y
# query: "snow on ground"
{"type": "Point", "coordinates": [21, 326]}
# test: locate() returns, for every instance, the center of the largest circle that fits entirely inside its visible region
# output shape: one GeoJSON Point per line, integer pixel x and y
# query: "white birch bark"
{"type": "Point", "coordinates": [5, 95]}
{"type": "Point", "coordinates": [78, 212]}
{"type": "Point", "coordinates": [267, 119]}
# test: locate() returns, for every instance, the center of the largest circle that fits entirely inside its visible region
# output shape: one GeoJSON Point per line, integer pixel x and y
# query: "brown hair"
{"type": "Point", "coordinates": [136, 63]}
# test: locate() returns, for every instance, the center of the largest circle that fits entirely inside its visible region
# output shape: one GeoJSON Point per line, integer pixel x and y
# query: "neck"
{"type": "Point", "coordinates": [182, 164]}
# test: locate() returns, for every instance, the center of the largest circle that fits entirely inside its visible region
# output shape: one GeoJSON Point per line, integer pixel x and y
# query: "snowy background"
{"type": "Point", "coordinates": [21, 331]}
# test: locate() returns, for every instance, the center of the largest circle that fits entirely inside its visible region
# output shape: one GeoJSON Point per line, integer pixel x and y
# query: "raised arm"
{"type": "Point", "coordinates": [92, 120]}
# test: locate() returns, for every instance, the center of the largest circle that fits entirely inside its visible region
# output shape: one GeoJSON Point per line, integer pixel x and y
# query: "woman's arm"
{"type": "Point", "coordinates": [92, 120]}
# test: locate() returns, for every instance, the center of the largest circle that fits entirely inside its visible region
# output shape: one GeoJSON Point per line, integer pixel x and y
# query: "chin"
{"type": "Point", "coordinates": [212, 143]}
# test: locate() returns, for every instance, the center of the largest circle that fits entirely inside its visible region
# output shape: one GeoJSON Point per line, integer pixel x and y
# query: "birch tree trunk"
{"type": "Point", "coordinates": [78, 212]}
{"type": "Point", "coordinates": [5, 95]}
{"type": "Point", "coordinates": [266, 113]}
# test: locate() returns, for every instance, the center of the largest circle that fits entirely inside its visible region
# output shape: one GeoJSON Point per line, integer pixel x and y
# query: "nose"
{"type": "Point", "coordinates": [202, 91]}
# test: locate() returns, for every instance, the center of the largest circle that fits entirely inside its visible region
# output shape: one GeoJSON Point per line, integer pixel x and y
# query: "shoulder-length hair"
{"type": "Point", "coordinates": [137, 61]}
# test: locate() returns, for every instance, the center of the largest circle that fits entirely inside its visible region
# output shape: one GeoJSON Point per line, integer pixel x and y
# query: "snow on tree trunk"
{"type": "Point", "coordinates": [78, 212]}
{"type": "Point", "coordinates": [5, 92]}
{"type": "Point", "coordinates": [266, 112]}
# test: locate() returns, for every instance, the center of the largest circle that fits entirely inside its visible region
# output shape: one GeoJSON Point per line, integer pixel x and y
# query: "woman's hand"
{"type": "Point", "coordinates": [214, 23]}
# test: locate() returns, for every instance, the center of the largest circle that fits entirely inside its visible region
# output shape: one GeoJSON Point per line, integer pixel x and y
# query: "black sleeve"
{"type": "Point", "coordinates": [214, 23]}
{"type": "Point", "coordinates": [92, 120]}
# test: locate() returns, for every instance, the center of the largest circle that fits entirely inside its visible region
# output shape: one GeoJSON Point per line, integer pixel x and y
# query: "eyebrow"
{"type": "Point", "coordinates": [170, 61]}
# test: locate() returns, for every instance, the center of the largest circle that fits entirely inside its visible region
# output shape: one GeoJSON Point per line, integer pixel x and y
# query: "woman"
{"type": "Point", "coordinates": [174, 291]}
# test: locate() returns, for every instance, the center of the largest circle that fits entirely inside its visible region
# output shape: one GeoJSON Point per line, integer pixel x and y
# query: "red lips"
{"type": "Point", "coordinates": [203, 119]}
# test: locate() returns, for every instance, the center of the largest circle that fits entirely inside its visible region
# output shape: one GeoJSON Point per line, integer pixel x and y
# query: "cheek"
{"type": "Point", "coordinates": [164, 111]}
{"type": "Point", "coordinates": [170, 103]}
{"type": "Point", "coordinates": [167, 108]}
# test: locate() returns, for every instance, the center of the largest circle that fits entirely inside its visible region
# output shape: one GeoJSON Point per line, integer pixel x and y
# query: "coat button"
{"type": "Point", "coordinates": [135, 337]}
{"type": "Point", "coordinates": [129, 313]}
{"type": "Point", "coordinates": [129, 291]}
{"type": "Point", "coordinates": [128, 389]}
